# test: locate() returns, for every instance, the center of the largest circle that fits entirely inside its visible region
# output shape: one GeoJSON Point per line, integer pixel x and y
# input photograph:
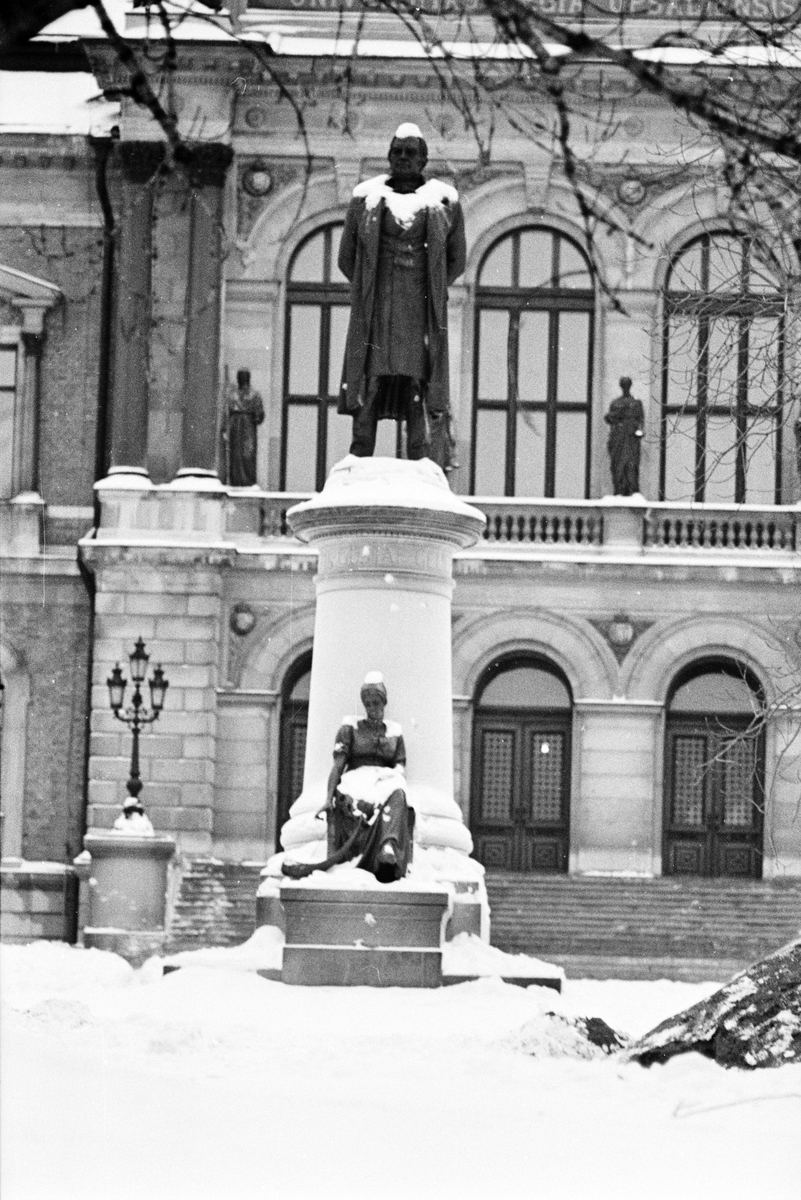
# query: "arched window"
{"type": "Point", "coordinates": [533, 367]}
{"type": "Point", "coordinates": [714, 772]}
{"type": "Point", "coordinates": [520, 802]}
{"type": "Point", "coordinates": [317, 308]}
{"type": "Point", "coordinates": [294, 722]}
{"type": "Point", "coordinates": [722, 374]}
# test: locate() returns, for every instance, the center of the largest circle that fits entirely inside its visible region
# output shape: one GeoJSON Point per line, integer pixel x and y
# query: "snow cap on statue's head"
{"type": "Point", "coordinates": [408, 129]}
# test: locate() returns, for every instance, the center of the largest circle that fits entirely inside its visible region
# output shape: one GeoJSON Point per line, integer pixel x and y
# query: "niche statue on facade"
{"type": "Point", "coordinates": [626, 419]}
{"type": "Point", "coordinates": [403, 244]}
{"type": "Point", "coordinates": [244, 412]}
{"type": "Point", "coordinates": [366, 809]}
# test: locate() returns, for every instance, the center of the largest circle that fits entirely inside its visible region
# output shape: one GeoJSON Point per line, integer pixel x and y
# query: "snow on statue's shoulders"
{"type": "Point", "coordinates": [405, 206]}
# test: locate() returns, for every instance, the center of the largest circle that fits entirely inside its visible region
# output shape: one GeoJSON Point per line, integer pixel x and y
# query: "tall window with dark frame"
{"type": "Point", "coordinates": [723, 366]}
{"type": "Point", "coordinates": [533, 367]}
{"type": "Point", "coordinates": [317, 309]}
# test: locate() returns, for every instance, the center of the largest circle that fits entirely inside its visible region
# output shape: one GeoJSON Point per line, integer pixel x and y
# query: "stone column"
{"type": "Point", "coordinates": [207, 167]}
{"type": "Point", "coordinates": [129, 408]}
{"type": "Point", "coordinates": [26, 461]}
{"type": "Point", "coordinates": [386, 530]}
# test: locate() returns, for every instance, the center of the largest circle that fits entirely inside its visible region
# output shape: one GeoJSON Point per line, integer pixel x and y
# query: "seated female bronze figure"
{"type": "Point", "coordinates": [366, 804]}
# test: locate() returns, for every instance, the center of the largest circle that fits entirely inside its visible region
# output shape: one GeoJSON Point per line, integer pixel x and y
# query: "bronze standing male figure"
{"type": "Point", "coordinates": [402, 245]}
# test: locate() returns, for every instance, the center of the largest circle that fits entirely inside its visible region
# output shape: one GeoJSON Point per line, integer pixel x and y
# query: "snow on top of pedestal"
{"type": "Point", "coordinates": [432, 868]}
{"type": "Point", "coordinates": [134, 824]}
{"type": "Point", "coordinates": [395, 482]}
{"type": "Point", "coordinates": [405, 206]}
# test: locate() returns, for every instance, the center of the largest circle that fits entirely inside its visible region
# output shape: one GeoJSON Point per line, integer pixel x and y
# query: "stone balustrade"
{"type": "Point", "coordinates": [591, 527]}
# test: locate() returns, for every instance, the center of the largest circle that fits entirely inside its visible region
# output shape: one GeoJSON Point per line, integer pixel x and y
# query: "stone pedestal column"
{"type": "Point", "coordinates": [386, 530]}
{"type": "Point", "coordinates": [140, 163]}
{"type": "Point", "coordinates": [127, 893]}
{"type": "Point", "coordinates": [207, 168]}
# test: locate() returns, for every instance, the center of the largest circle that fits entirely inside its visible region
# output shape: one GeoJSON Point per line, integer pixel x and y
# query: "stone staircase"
{"type": "Point", "coordinates": [215, 906]}
{"type": "Point", "coordinates": [602, 927]}
{"type": "Point", "coordinates": [594, 927]}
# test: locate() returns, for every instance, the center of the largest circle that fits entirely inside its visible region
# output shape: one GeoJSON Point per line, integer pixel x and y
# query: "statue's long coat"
{"type": "Point", "coordinates": [358, 261]}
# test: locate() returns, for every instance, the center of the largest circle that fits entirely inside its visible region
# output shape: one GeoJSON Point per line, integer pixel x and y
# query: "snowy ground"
{"type": "Point", "coordinates": [213, 1082]}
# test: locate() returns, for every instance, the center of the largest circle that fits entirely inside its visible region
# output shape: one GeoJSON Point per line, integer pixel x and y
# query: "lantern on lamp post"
{"type": "Point", "coordinates": [137, 715]}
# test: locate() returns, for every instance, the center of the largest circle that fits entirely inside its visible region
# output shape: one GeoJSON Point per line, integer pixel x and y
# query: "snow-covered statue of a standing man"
{"type": "Point", "coordinates": [402, 245]}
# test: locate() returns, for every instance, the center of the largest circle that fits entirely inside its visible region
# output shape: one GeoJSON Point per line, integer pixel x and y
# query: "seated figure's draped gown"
{"type": "Point", "coordinates": [369, 755]}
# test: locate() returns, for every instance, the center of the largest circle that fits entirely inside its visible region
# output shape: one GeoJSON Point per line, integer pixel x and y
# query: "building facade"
{"type": "Point", "coordinates": [613, 656]}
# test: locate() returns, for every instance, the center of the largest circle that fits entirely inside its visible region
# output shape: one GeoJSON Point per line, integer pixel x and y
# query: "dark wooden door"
{"type": "Point", "coordinates": [521, 791]}
{"type": "Point", "coordinates": [714, 799]}
{"type": "Point", "coordinates": [293, 753]}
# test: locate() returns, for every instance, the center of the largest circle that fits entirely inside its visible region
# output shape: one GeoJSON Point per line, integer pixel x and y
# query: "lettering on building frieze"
{"type": "Point", "coordinates": [570, 10]}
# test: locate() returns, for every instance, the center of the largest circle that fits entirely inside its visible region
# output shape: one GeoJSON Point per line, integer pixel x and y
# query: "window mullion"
{"type": "Point", "coordinates": [512, 363]}
{"type": "Point", "coordinates": [702, 399]}
{"type": "Point", "coordinates": [741, 417]}
{"type": "Point", "coordinates": [551, 399]}
{"type": "Point", "coordinates": [322, 392]}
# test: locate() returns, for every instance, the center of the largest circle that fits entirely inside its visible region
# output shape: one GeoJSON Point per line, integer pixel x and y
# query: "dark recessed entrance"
{"type": "Point", "coordinates": [294, 720]}
{"type": "Point", "coordinates": [521, 768]}
{"type": "Point", "coordinates": [714, 774]}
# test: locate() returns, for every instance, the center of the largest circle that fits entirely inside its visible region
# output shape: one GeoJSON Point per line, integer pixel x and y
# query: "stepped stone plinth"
{"type": "Point", "coordinates": [375, 937]}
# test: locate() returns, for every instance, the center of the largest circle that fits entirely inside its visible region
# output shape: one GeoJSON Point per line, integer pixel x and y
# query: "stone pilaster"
{"type": "Point", "coordinates": [206, 166]}
{"type": "Point", "coordinates": [616, 815]}
{"type": "Point", "coordinates": [141, 162]}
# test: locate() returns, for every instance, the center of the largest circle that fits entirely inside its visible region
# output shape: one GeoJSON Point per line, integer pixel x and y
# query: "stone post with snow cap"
{"type": "Point", "coordinates": [386, 530]}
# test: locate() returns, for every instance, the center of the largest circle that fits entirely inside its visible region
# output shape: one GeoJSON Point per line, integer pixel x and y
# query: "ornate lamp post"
{"type": "Point", "coordinates": [137, 715]}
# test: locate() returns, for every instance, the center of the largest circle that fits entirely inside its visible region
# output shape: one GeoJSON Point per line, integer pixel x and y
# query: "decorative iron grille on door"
{"type": "Point", "coordinates": [714, 777]}
{"type": "Point", "coordinates": [521, 772]}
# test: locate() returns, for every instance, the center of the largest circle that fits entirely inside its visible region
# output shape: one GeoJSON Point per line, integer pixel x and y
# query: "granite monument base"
{"type": "Point", "coordinates": [368, 938]}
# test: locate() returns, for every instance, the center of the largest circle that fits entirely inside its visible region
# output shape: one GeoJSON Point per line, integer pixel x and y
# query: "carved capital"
{"type": "Point", "coordinates": [33, 343]}
{"type": "Point", "coordinates": [206, 162]}
{"type": "Point", "coordinates": [140, 160]}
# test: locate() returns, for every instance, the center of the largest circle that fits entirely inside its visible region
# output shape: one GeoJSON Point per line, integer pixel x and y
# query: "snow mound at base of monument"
{"type": "Point", "coordinates": [468, 954]}
{"type": "Point", "coordinates": [264, 950]}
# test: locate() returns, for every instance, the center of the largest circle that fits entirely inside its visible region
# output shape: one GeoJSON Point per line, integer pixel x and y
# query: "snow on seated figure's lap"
{"type": "Point", "coordinates": [438, 819]}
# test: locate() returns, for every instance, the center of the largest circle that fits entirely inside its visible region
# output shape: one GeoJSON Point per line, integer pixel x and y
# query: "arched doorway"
{"type": "Point", "coordinates": [294, 720]}
{"type": "Point", "coordinates": [714, 773]}
{"type": "Point", "coordinates": [521, 767]}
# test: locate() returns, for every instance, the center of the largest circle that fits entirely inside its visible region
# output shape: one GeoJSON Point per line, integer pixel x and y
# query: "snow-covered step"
{"type": "Point", "coordinates": [636, 928]}
{"type": "Point", "coordinates": [215, 906]}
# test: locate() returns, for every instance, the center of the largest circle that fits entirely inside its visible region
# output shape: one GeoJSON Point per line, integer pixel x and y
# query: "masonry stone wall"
{"type": "Point", "coordinates": [45, 624]}
{"type": "Point", "coordinates": [175, 607]}
{"type": "Point", "coordinates": [71, 258]}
